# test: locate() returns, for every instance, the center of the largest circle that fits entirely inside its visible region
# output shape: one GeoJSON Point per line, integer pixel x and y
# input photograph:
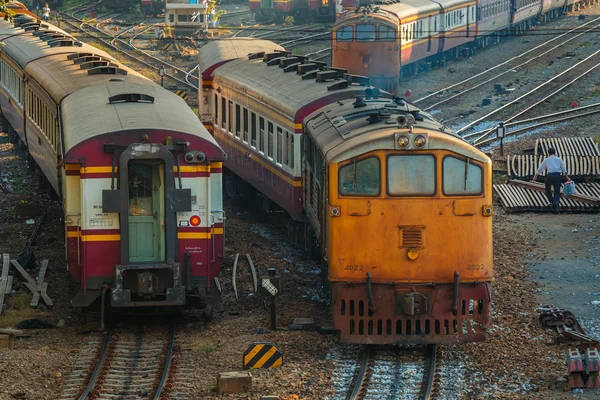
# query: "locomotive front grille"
{"type": "Point", "coordinates": [411, 237]}
{"type": "Point", "coordinates": [358, 324]}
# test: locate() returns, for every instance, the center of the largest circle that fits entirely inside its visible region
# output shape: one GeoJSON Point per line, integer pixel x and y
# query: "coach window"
{"type": "Point", "coordinates": [411, 175]}
{"type": "Point", "coordinates": [223, 112]}
{"type": "Point", "coordinates": [270, 140]}
{"type": "Point", "coordinates": [279, 145]}
{"type": "Point", "coordinates": [461, 177]}
{"type": "Point", "coordinates": [386, 33]}
{"type": "Point", "coordinates": [216, 112]}
{"type": "Point", "coordinates": [360, 177]}
{"type": "Point", "coordinates": [230, 120]}
{"type": "Point", "coordinates": [289, 141]}
{"type": "Point", "coordinates": [238, 125]}
{"type": "Point", "coordinates": [253, 129]}
{"type": "Point", "coordinates": [245, 125]}
{"type": "Point", "coordinates": [366, 33]}
{"type": "Point", "coordinates": [344, 34]}
{"type": "Point", "coordinates": [261, 136]}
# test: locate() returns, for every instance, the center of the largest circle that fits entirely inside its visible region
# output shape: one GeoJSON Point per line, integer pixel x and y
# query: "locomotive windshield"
{"type": "Point", "coordinates": [360, 178]}
{"type": "Point", "coordinates": [345, 34]}
{"type": "Point", "coordinates": [366, 33]}
{"type": "Point", "coordinates": [411, 175]}
{"type": "Point", "coordinates": [386, 33]}
{"type": "Point", "coordinates": [461, 177]}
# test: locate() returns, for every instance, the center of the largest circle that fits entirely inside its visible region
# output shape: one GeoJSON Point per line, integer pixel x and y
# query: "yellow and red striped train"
{"type": "Point", "coordinates": [388, 39]}
{"type": "Point", "coordinates": [399, 207]}
{"type": "Point", "coordinates": [138, 175]}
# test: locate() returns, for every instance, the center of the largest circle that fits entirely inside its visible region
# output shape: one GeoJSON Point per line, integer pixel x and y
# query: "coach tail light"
{"type": "Point", "coordinates": [195, 220]}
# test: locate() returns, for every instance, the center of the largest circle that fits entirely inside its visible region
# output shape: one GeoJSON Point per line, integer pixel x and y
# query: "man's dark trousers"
{"type": "Point", "coordinates": [553, 179]}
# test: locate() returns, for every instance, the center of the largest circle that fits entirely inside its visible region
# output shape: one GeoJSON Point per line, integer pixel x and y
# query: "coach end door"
{"type": "Point", "coordinates": [146, 213]}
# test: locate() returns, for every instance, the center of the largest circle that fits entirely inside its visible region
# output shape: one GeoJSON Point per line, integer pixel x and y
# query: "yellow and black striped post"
{"type": "Point", "coordinates": [262, 355]}
{"type": "Point", "coordinates": [182, 93]}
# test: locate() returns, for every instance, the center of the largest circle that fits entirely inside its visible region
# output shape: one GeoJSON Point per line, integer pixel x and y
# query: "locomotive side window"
{"type": "Point", "coordinates": [360, 178]}
{"type": "Point", "coordinates": [386, 33]}
{"type": "Point", "coordinates": [411, 175]}
{"type": "Point", "coordinates": [366, 33]}
{"type": "Point", "coordinates": [345, 34]}
{"type": "Point", "coordinates": [461, 177]}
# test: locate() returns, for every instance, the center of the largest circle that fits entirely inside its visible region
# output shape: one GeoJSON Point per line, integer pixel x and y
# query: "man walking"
{"type": "Point", "coordinates": [555, 168]}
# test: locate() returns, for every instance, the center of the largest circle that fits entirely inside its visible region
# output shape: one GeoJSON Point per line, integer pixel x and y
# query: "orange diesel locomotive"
{"type": "Point", "coordinates": [378, 184]}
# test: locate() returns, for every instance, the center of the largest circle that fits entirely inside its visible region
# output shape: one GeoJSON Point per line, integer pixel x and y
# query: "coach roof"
{"type": "Point", "coordinates": [88, 113]}
{"type": "Point", "coordinates": [285, 92]}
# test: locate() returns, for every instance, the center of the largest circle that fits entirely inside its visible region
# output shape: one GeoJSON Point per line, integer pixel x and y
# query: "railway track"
{"type": "Point", "coordinates": [565, 40]}
{"type": "Point", "coordinates": [385, 373]}
{"type": "Point", "coordinates": [106, 40]}
{"type": "Point", "coordinates": [124, 365]}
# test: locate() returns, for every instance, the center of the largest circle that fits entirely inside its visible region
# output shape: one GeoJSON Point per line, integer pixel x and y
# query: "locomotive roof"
{"type": "Point", "coordinates": [286, 92]}
{"type": "Point", "coordinates": [219, 51]}
{"type": "Point", "coordinates": [88, 112]}
{"type": "Point", "coordinates": [342, 131]}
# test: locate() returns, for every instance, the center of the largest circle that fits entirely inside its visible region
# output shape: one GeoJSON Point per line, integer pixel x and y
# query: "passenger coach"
{"type": "Point", "coordinates": [138, 175]}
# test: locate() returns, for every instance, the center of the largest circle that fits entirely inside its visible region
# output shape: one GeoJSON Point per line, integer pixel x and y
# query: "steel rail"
{"type": "Point", "coordinates": [508, 61]}
{"type": "Point", "coordinates": [576, 111]}
{"type": "Point", "coordinates": [134, 37]}
{"type": "Point", "coordinates": [97, 368]}
{"type": "Point", "coordinates": [560, 89]}
{"type": "Point", "coordinates": [529, 93]}
{"type": "Point", "coordinates": [361, 373]}
{"type": "Point", "coordinates": [123, 52]}
{"type": "Point", "coordinates": [168, 360]}
{"type": "Point", "coordinates": [454, 96]}
{"type": "Point", "coordinates": [431, 378]}
{"type": "Point", "coordinates": [530, 127]}
{"type": "Point", "coordinates": [309, 38]}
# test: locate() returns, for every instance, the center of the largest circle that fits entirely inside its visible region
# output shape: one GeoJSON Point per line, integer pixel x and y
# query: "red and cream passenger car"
{"type": "Point", "coordinates": [138, 175]}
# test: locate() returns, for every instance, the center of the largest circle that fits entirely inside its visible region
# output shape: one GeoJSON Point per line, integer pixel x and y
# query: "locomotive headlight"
{"type": "Point", "coordinates": [402, 141]}
{"type": "Point", "coordinates": [420, 141]}
{"type": "Point", "coordinates": [189, 157]}
{"type": "Point", "coordinates": [200, 157]}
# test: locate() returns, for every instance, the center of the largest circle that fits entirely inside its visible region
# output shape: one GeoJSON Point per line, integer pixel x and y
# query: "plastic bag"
{"type": "Point", "coordinates": [569, 188]}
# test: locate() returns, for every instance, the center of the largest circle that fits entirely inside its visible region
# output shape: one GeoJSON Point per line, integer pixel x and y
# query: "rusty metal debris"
{"type": "Point", "coordinates": [583, 357]}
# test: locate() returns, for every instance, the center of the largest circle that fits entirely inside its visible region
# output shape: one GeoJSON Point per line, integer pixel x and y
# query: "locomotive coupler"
{"type": "Point", "coordinates": [372, 307]}
{"type": "Point", "coordinates": [455, 296]}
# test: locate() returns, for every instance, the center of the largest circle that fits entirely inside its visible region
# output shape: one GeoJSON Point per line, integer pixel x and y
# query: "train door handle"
{"type": "Point", "coordinates": [155, 216]}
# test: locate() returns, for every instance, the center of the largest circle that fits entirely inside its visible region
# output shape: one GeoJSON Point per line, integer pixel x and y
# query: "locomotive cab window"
{"type": "Point", "coordinates": [366, 33]}
{"type": "Point", "coordinates": [345, 34]}
{"type": "Point", "coordinates": [386, 33]}
{"type": "Point", "coordinates": [360, 178]}
{"type": "Point", "coordinates": [411, 175]}
{"type": "Point", "coordinates": [461, 177]}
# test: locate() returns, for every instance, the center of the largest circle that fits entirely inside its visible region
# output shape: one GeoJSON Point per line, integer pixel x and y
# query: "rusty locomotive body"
{"type": "Point", "coordinates": [138, 175]}
{"type": "Point", "coordinates": [378, 185]}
